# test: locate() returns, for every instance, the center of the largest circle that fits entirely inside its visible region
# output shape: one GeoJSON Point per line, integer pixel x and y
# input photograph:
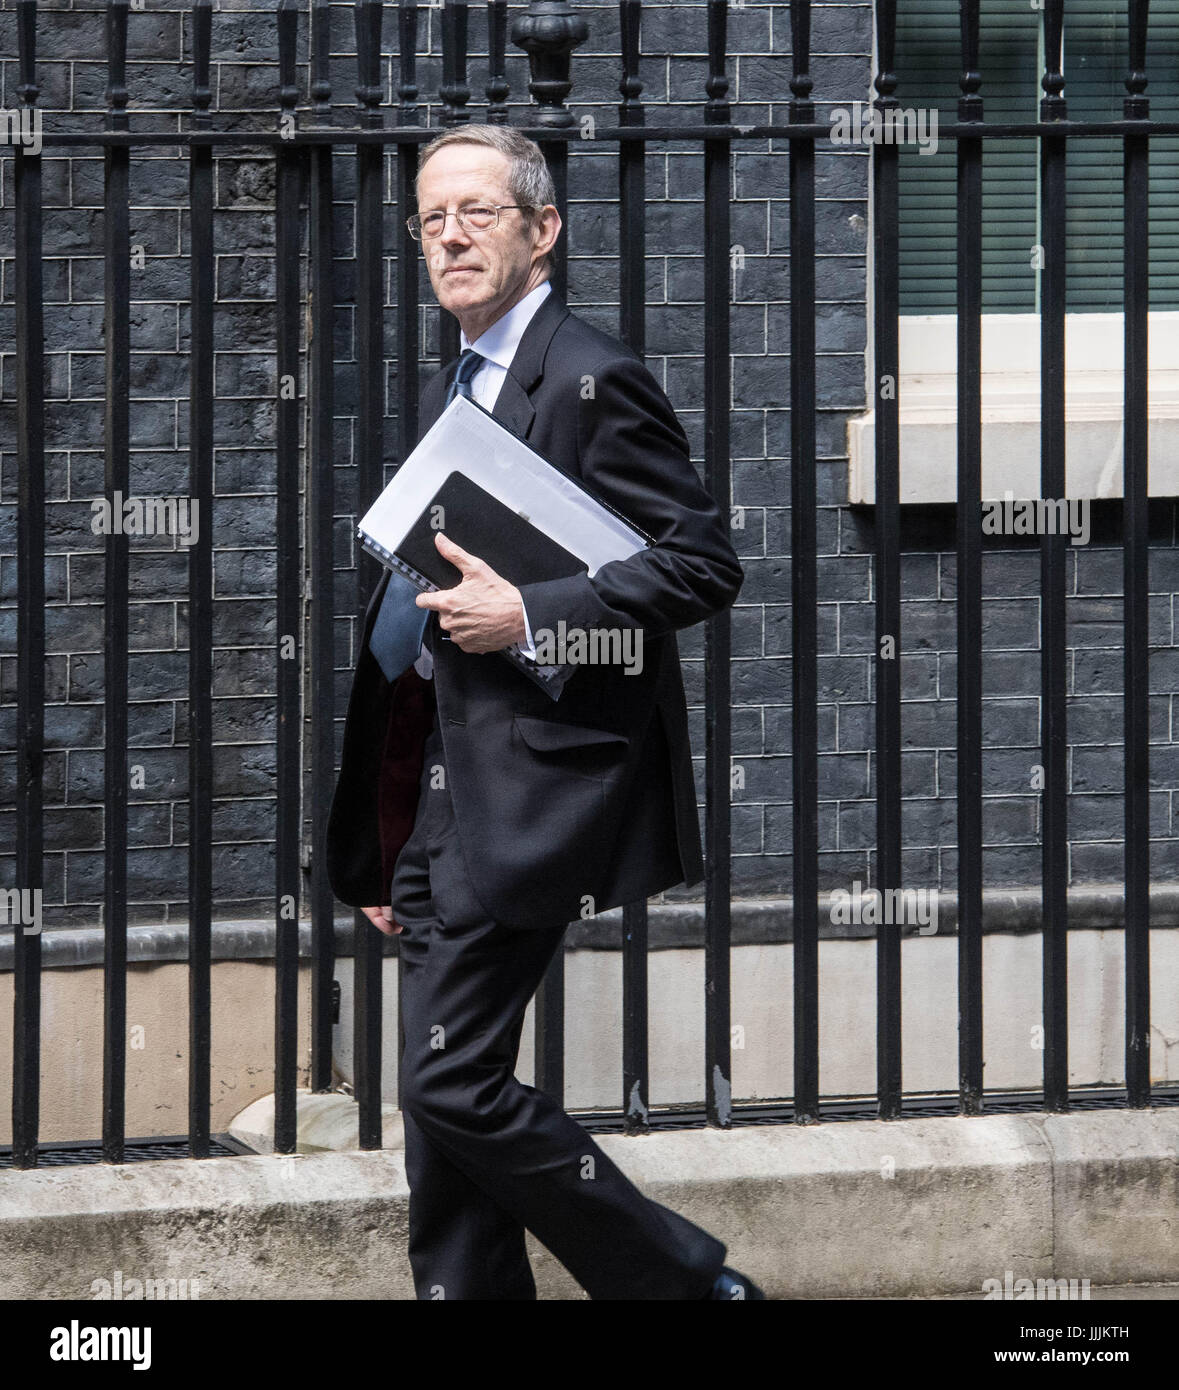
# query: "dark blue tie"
{"type": "Point", "coordinates": [396, 638]}
{"type": "Point", "coordinates": [468, 364]}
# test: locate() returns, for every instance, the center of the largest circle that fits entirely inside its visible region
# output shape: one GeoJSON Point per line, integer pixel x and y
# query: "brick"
{"type": "Point", "coordinates": [760, 446]}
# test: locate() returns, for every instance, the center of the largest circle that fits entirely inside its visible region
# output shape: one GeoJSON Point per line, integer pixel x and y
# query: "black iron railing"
{"type": "Point", "coordinates": [302, 149]}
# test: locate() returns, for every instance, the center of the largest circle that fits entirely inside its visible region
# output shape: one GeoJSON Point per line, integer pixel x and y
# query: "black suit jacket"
{"type": "Point", "coordinates": [564, 807]}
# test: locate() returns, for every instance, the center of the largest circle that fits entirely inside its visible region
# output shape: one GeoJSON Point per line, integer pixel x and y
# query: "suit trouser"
{"type": "Point", "coordinates": [486, 1156]}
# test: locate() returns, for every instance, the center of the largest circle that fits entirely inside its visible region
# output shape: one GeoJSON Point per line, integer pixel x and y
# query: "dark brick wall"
{"type": "Point", "coordinates": [72, 76]}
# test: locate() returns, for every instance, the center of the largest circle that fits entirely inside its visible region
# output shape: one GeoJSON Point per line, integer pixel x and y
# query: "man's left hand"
{"type": "Point", "coordinates": [482, 613]}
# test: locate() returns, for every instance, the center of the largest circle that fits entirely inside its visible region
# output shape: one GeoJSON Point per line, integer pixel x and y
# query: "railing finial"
{"type": "Point", "coordinates": [885, 81]}
{"type": "Point", "coordinates": [26, 37]}
{"type": "Point", "coordinates": [497, 88]}
{"type": "Point", "coordinates": [368, 16]}
{"type": "Point", "coordinates": [716, 108]}
{"type": "Point", "coordinates": [288, 38]}
{"type": "Point", "coordinates": [970, 78]}
{"type": "Point", "coordinates": [1052, 106]}
{"type": "Point", "coordinates": [802, 109]}
{"type": "Point", "coordinates": [116, 59]}
{"type": "Point", "coordinates": [321, 42]}
{"type": "Point", "coordinates": [630, 87]}
{"type": "Point", "coordinates": [407, 42]}
{"type": "Point", "coordinates": [549, 33]}
{"type": "Point", "coordinates": [202, 43]}
{"type": "Point", "coordinates": [1136, 106]}
{"type": "Point", "coordinates": [454, 90]}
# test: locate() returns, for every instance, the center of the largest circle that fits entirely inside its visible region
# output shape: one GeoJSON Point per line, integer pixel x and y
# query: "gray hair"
{"type": "Point", "coordinates": [529, 181]}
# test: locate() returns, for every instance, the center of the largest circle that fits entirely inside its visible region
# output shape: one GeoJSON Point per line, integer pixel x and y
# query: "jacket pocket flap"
{"type": "Point", "coordinates": [547, 735]}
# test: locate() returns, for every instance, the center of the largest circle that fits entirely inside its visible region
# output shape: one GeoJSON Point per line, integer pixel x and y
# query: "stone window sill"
{"type": "Point", "coordinates": [1011, 409]}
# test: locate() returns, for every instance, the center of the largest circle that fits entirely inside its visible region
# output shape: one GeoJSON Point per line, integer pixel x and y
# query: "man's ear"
{"type": "Point", "coordinates": [540, 224]}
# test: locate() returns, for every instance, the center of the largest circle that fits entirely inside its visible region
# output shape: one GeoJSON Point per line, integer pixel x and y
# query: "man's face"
{"type": "Point", "coordinates": [478, 276]}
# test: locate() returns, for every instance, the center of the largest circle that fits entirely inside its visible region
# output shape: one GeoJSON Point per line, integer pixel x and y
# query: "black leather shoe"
{"type": "Point", "coordinates": [731, 1286]}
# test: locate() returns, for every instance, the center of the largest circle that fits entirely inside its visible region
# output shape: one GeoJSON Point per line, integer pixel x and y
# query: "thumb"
{"type": "Point", "coordinates": [454, 552]}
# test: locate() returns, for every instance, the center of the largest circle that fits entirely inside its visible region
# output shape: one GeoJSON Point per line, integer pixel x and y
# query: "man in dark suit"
{"type": "Point", "coordinates": [485, 812]}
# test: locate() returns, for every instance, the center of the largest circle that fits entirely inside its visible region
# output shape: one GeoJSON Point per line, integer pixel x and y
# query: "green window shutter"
{"type": "Point", "coordinates": [1095, 61]}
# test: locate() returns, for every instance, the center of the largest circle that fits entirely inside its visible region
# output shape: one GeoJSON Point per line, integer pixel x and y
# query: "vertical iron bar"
{"type": "Point", "coordinates": [548, 1022]}
{"type": "Point", "coordinates": [804, 749]}
{"type": "Point", "coordinates": [548, 1029]}
{"type": "Point", "coordinates": [1136, 553]}
{"type": "Point", "coordinates": [370, 351]}
{"type": "Point", "coordinates": [632, 197]}
{"type": "Point", "coordinates": [969, 567]}
{"type": "Point", "coordinates": [1053, 653]}
{"type": "Point", "coordinates": [200, 597]}
{"type": "Point", "coordinates": [632, 186]}
{"type": "Point", "coordinates": [322, 507]}
{"type": "Point", "coordinates": [408, 332]}
{"type": "Point", "coordinates": [30, 617]}
{"type": "Point", "coordinates": [549, 32]}
{"type": "Point", "coordinates": [556, 154]}
{"type": "Point", "coordinates": [886, 388]}
{"type": "Point", "coordinates": [455, 92]}
{"type": "Point", "coordinates": [718, 631]}
{"type": "Point", "coordinates": [117, 257]}
{"type": "Point", "coordinates": [288, 601]}
{"type": "Point", "coordinates": [497, 88]}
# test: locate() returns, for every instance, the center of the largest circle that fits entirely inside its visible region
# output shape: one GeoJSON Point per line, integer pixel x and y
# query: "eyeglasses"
{"type": "Point", "coordinates": [476, 218]}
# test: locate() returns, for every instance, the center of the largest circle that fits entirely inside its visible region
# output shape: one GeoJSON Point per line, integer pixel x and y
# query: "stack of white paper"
{"type": "Point", "coordinates": [468, 439]}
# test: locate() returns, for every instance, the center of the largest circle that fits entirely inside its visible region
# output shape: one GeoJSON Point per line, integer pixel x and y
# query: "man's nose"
{"type": "Point", "coordinates": [452, 232]}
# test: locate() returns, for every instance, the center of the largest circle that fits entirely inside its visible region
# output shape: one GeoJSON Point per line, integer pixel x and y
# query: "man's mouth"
{"type": "Point", "coordinates": [459, 269]}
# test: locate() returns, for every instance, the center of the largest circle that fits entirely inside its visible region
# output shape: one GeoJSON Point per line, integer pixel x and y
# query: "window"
{"type": "Point", "coordinates": [1095, 60]}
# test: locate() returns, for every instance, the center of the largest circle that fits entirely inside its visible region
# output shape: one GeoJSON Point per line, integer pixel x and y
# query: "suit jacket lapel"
{"type": "Point", "coordinates": [513, 406]}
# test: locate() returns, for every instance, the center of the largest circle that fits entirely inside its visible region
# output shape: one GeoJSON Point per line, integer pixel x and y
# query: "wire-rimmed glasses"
{"type": "Point", "coordinates": [475, 217]}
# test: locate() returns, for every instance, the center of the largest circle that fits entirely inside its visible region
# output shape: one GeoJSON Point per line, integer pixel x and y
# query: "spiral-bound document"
{"type": "Point", "coordinates": [490, 492]}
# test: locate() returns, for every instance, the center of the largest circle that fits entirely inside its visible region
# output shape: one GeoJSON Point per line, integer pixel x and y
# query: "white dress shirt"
{"type": "Point", "coordinates": [498, 345]}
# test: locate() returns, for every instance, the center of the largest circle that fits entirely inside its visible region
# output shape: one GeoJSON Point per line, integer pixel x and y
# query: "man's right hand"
{"type": "Point", "coordinates": [382, 918]}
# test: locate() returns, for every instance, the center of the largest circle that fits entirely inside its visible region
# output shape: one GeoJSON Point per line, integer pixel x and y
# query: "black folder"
{"type": "Point", "coordinates": [503, 535]}
{"type": "Point", "coordinates": [484, 526]}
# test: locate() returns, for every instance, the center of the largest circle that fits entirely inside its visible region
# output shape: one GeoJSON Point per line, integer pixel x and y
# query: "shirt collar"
{"type": "Point", "coordinates": [499, 342]}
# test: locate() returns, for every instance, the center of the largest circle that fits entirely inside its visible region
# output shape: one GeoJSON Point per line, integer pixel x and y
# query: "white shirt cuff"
{"type": "Point", "coordinates": [424, 665]}
{"type": "Point", "coordinates": [528, 646]}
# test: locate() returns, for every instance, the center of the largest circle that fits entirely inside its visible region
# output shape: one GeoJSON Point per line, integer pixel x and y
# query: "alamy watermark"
{"type": "Point", "coordinates": [863, 124]}
{"type": "Point", "coordinates": [912, 907]}
{"type": "Point", "coordinates": [21, 125]}
{"type": "Point", "coordinates": [79, 1342]}
{"type": "Point", "coordinates": [147, 516]}
{"type": "Point", "coordinates": [592, 646]}
{"type": "Point", "coordinates": [21, 907]}
{"type": "Point", "coordinates": [121, 1289]}
{"type": "Point", "coordinates": [1037, 516]}
{"type": "Point", "coordinates": [1009, 1287]}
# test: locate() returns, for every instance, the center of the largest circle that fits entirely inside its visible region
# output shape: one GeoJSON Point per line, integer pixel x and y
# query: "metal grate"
{"type": "Point", "coordinates": [916, 1108]}
{"type": "Point", "coordinates": [65, 1155]}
